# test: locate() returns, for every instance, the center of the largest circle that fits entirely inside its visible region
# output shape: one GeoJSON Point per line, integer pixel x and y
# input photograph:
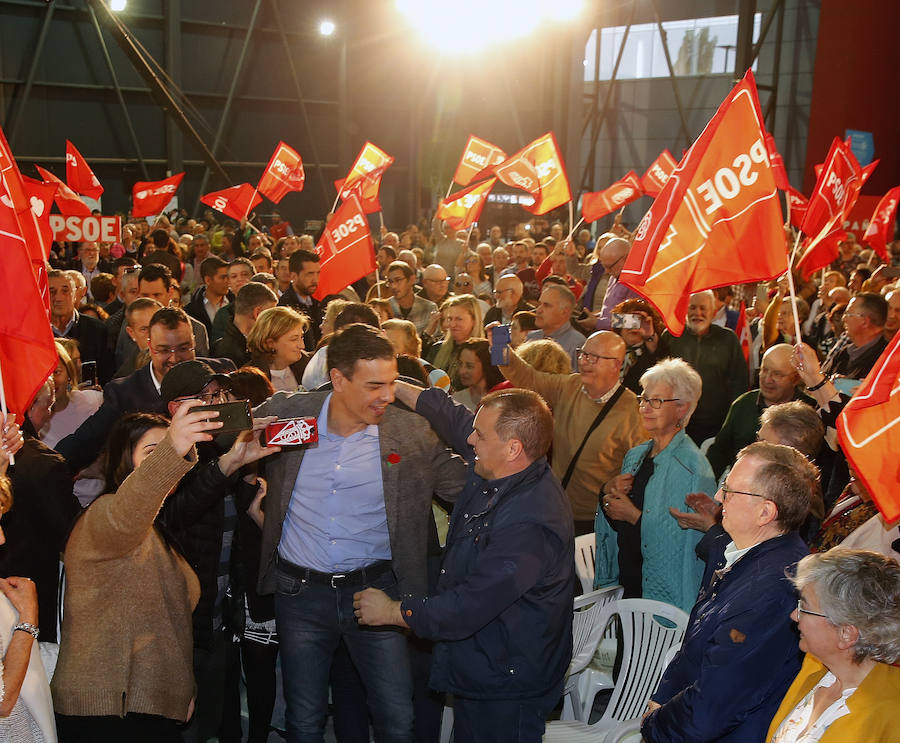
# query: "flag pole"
{"type": "Point", "coordinates": [12, 459]}
{"type": "Point", "coordinates": [575, 227]}
{"type": "Point", "coordinates": [336, 199]}
{"type": "Point", "coordinates": [469, 237]}
{"type": "Point", "coordinates": [449, 189]}
{"type": "Point", "coordinates": [790, 273]}
{"type": "Point", "coordinates": [571, 217]}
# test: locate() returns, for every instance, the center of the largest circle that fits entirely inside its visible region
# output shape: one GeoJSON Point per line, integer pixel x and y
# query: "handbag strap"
{"type": "Point", "coordinates": [597, 421]}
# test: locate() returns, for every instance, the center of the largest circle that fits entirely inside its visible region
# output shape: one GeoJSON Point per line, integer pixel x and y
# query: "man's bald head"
{"type": "Point", "coordinates": [600, 362]}
{"type": "Point", "coordinates": [509, 293]}
{"type": "Point", "coordinates": [838, 295]}
{"type": "Point", "coordinates": [434, 272]}
{"type": "Point", "coordinates": [610, 343]}
{"type": "Point", "coordinates": [777, 376]}
{"type": "Point", "coordinates": [613, 254]}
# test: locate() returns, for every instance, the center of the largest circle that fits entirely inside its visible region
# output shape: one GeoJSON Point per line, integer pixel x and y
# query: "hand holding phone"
{"type": "Point", "coordinates": [500, 338]}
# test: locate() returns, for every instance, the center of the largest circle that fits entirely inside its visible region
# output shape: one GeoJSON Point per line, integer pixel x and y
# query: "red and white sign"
{"type": "Point", "coordinates": [66, 199]}
{"type": "Point", "coordinates": [86, 229]}
{"type": "Point", "coordinates": [370, 158]}
{"type": "Point", "coordinates": [622, 192]}
{"type": "Point", "coordinates": [881, 227]}
{"type": "Point", "coordinates": [79, 175]}
{"type": "Point", "coordinates": [150, 198]}
{"type": "Point", "coordinates": [658, 173]}
{"type": "Point", "coordinates": [463, 208]}
{"type": "Point", "coordinates": [346, 250]}
{"type": "Point", "coordinates": [478, 157]}
{"type": "Point", "coordinates": [283, 174]}
{"type": "Point", "coordinates": [797, 205]}
{"type": "Point", "coordinates": [834, 194]}
{"type": "Point", "coordinates": [538, 169]}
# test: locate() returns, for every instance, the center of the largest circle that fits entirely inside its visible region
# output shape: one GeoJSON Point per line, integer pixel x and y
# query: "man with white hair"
{"type": "Point", "coordinates": [716, 354]}
{"type": "Point", "coordinates": [508, 296]}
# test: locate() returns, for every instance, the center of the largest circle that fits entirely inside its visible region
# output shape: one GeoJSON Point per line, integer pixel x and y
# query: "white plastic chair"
{"type": "Point", "coordinates": [584, 561]}
{"type": "Point", "coordinates": [649, 629]}
{"type": "Point", "coordinates": [592, 613]}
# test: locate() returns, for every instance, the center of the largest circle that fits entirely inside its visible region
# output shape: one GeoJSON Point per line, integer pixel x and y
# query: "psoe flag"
{"type": "Point", "coordinates": [283, 174]}
{"type": "Point", "coordinates": [834, 194]}
{"type": "Point", "coordinates": [369, 159]}
{"type": "Point", "coordinates": [79, 175]}
{"type": "Point", "coordinates": [346, 251]}
{"type": "Point", "coordinates": [622, 192]}
{"type": "Point", "coordinates": [463, 208]}
{"type": "Point", "coordinates": [869, 431]}
{"type": "Point", "coordinates": [881, 226]}
{"type": "Point", "coordinates": [538, 169]}
{"type": "Point", "coordinates": [658, 173]}
{"type": "Point", "coordinates": [717, 220]}
{"type": "Point", "coordinates": [66, 199]}
{"type": "Point", "coordinates": [477, 159]}
{"type": "Point", "coordinates": [236, 202]}
{"type": "Point", "coordinates": [149, 198]}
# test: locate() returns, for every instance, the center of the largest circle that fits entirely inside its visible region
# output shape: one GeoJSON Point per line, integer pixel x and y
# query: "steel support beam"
{"type": "Point", "coordinates": [672, 77]}
{"type": "Point", "coordinates": [743, 58]}
{"type": "Point", "coordinates": [20, 101]}
{"type": "Point", "coordinates": [174, 141]}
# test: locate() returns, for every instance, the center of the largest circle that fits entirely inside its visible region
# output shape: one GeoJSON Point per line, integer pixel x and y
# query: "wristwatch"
{"type": "Point", "coordinates": [29, 628]}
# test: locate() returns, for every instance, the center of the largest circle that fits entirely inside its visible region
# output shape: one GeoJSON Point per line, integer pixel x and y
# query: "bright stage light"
{"type": "Point", "coordinates": [326, 27]}
{"type": "Point", "coordinates": [117, 5]}
{"type": "Point", "coordinates": [473, 25]}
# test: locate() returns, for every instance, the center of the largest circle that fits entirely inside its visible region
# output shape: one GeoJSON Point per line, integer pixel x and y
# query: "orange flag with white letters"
{"type": "Point", "coordinates": [463, 208]}
{"type": "Point", "coordinates": [622, 192]}
{"type": "Point", "coordinates": [538, 169]}
{"type": "Point", "coordinates": [717, 220]}
{"type": "Point", "coordinates": [370, 158]}
{"type": "Point", "coordinates": [477, 158]}
{"type": "Point", "coordinates": [658, 173]}
{"type": "Point", "coordinates": [283, 174]}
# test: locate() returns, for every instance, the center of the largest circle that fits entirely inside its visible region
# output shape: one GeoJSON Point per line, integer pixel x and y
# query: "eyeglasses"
{"type": "Point", "coordinates": [801, 610]}
{"type": "Point", "coordinates": [592, 358]}
{"type": "Point", "coordinates": [726, 491]}
{"type": "Point", "coordinates": [655, 402]}
{"type": "Point", "coordinates": [165, 351]}
{"type": "Point", "coordinates": [501, 292]}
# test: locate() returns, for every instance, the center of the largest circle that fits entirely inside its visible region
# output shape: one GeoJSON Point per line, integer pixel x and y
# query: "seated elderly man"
{"type": "Point", "coordinates": [740, 652]}
{"type": "Point", "coordinates": [778, 382]}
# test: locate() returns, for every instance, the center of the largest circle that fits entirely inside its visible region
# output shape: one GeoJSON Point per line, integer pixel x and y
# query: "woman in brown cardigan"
{"type": "Point", "coordinates": [125, 660]}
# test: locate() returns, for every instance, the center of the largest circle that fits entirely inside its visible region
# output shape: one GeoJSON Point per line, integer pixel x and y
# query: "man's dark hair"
{"type": "Point", "coordinates": [873, 306]}
{"type": "Point", "coordinates": [482, 350]}
{"type": "Point", "coordinates": [102, 288]}
{"type": "Point", "coordinates": [125, 260]}
{"type": "Point", "coordinates": [155, 272]}
{"type": "Point", "coordinates": [211, 266]}
{"type": "Point", "coordinates": [170, 318]}
{"type": "Point", "coordinates": [242, 261]}
{"type": "Point", "coordinates": [356, 312]}
{"type": "Point", "coordinates": [400, 266]}
{"type": "Point", "coordinates": [160, 238]}
{"type": "Point", "coordinates": [299, 257]}
{"type": "Point", "coordinates": [389, 249]}
{"type": "Point", "coordinates": [253, 295]}
{"type": "Point", "coordinates": [257, 254]}
{"type": "Point", "coordinates": [354, 343]}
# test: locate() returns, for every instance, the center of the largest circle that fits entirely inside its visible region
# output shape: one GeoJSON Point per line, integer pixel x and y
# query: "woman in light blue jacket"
{"type": "Point", "coordinates": [639, 543]}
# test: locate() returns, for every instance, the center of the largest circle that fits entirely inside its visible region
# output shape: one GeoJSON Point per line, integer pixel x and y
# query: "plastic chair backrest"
{"type": "Point", "coordinates": [592, 613]}
{"type": "Point", "coordinates": [584, 560]}
{"type": "Point", "coordinates": [649, 629]}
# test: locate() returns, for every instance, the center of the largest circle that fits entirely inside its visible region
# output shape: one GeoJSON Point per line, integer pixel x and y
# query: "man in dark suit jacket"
{"type": "Point", "coordinates": [68, 323]}
{"type": "Point", "coordinates": [305, 270]}
{"type": "Point", "coordinates": [171, 341]}
{"type": "Point", "coordinates": [213, 295]}
{"type": "Point", "coordinates": [368, 484]}
{"type": "Point", "coordinates": [37, 526]}
{"type": "Point", "coordinates": [89, 263]}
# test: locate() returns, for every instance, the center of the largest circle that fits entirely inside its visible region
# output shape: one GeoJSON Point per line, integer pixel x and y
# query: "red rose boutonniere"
{"type": "Point", "coordinates": [393, 458]}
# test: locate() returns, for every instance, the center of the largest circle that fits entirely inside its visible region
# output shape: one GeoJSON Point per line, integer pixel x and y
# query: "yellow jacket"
{"type": "Point", "coordinates": [873, 706]}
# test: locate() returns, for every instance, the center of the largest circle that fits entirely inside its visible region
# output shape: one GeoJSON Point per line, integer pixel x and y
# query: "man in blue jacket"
{"type": "Point", "coordinates": [740, 651]}
{"type": "Point", "coordinates": [503, 609]}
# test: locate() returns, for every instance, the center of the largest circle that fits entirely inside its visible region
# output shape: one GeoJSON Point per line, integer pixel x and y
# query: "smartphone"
{"type": "Point", "coordinates": [235, 416]}
{"type": "Point", "coordinates": [626, 321]}
{"type": "Point", "coordinates": [88, 374]}
{"type": "Point", "coordinates": [291, 432]}
{"type": "Point", "coordinates": [500, 338]}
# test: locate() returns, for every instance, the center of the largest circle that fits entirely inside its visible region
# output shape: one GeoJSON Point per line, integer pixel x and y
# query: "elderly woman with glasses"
{"type": "Point", "coordinates": [637, 540]}
{"type": "Point", "coordinates": [848, 616]}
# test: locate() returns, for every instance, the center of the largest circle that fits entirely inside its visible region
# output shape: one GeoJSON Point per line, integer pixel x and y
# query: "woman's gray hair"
{"type": "Point", "coordinates": [685, 382]}
{"type": "Point", "coordinates": [860, 588]}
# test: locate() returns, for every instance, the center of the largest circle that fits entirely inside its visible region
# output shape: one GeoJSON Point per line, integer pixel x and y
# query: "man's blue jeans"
{"type": "Point", "coordinates": [311, 619]}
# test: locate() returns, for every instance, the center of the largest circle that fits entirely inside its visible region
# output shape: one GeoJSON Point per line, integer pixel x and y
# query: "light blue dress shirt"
{"type": "Point", "coordinates": [336, 521]}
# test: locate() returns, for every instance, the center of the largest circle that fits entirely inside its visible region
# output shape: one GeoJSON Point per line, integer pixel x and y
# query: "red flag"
{"type": "Point", "coordinates": [66, 199]}
{"type": "Point", "coordinates": [478, 157]}
{"type": "Point", "coordinates": [235, 202]}
{"type": "Point", "coordinates": [464, 207]}
{"type": "Point", "coordinates": [538, 169]}
{"type": "Point", "coordinates": [149, 198]}
{"type": "Point", "coordinates": [820, 253]}
{"type": "Point", "coordinates": [345, 249]}
{"type": "Point", "coordinates": [881, 226]}
{"type": "Point", "coordinates": [27, 351]}
{"type": "Point", "coordinates": [743, 332]}
{"type": "Point", "coordinates": [40, 196]}
{"type": "Point", "coordinates": [79, 175]}
{"type": "Point", "coordinates": [365, 188]}
{"type": "Point", "coordinates": [869, 431]}
{"type": "Point", "coordinates": [283, 174]}
{"type": "Point", "coordinates": [623, 191]}
{"type": "Point", "coordinates": [658, 173]}
{"type": "Point", "coordinates": [778, 169]}
{"type": "Point", "coordinates": [798, 204]}
{"type": "Point", "coordinates": [717, 220]}
{"type": "Point", "coordinates": [369, 159]}
{"type": "Point", "coordinates": [868, 169]}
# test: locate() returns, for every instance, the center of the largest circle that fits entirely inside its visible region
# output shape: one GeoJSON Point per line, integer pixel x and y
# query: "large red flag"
{"type": "Point", "coordinates": [869, 431]}
{"type": "Point", "coordinates": [366, 189]}
{"type": "Point", "coordinates": [477, 159]}
{"type": "Point", "coordinates": [717, 220]}
{"type": "Point", "coordinates": [463, 208]}
{"type": "Point", "coordinates": [623, 191]}
{"type": "Point", "coordinates": [834, 194]}
{"type": "Point", "coordinates": [538, 169]}
{"type": "Point", "coordinates": [79, 176]}
{"type": "Point", "coordinates": [345, 249]}
{"type": "Point", "coordinates": [235, 202]}
{"type": "Point", "coordinates": [149, 198]}
{"type": "Point", "coordinates": [27, 351]}
{"type": "Point", "coordinates": [797, 204]}
{"type": "Point", "coordinates": [66, 199]}
{"type": "Point", "coordinates": [820, 253]}
{"type": "Point", "coordinates": [778, 169]}
{"type": "Point", "coordinates": [283, 174]}
{"type": "Point", "coordinates": [881, 227]}
{"type": "Point", "coordinates": [658, 173]}
{"type": "Point", "coordinates": [370, 158]}
{"type": "Point", "coordinates": [40, 196]}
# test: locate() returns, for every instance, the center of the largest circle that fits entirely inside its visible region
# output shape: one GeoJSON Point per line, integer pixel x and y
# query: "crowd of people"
{"type": "Point", "coordinates": [507, 379]}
